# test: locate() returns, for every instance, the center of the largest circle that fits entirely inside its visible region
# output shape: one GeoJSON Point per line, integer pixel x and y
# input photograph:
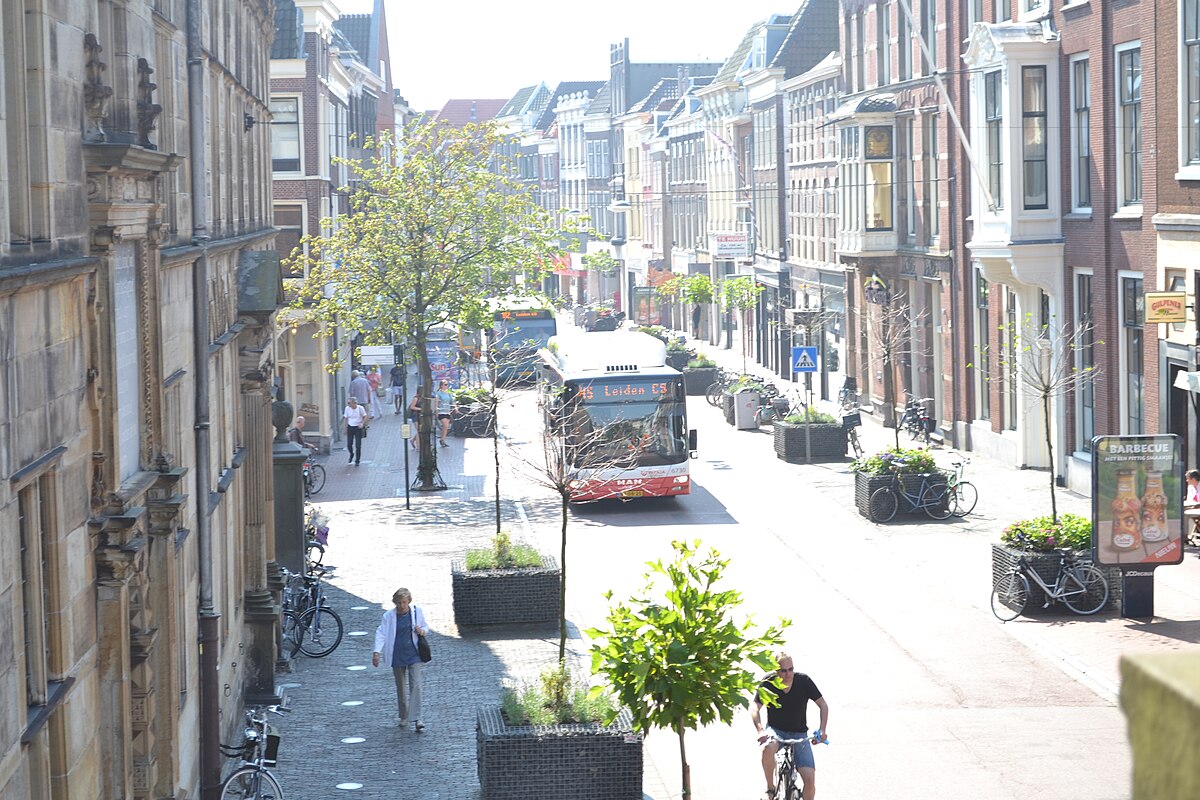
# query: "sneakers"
{"type": "Point", "coordinates": [403, 724]}
{"type": "Point", "coordinates": [419, 726]}
{"type": "Point", "coordinates": [350, 460]}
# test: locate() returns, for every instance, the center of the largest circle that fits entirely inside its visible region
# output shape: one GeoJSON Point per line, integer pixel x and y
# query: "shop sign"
{"type": "Point", "coordinates": [1137, 500]}
{"type": "Point", "coordinates": [729, 245]}
{"type": "Point", "coordinates": [1166, 307]}
{"type": "Point", "coordinates": [875, 290]}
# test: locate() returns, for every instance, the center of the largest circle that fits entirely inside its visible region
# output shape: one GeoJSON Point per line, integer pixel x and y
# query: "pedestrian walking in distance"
{"type": "Point", "coordinates": [445, 403]}
{"type": "Point", "coordinates": [360, 390]}
{"type": "Point", "coordinates": [788, 720]}
{"type": "Point", "coordinates": [414, 416]}
{"type": "Point", "coordinates": [397, 381]}
{"type": "Point", "coordinates": [396, 647]}
{"type": "Point", "coordinates": [356, 424]}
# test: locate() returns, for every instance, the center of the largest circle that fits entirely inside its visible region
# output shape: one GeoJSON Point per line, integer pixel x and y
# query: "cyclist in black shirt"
{"type": "Point", "coordinates": [788, 720]}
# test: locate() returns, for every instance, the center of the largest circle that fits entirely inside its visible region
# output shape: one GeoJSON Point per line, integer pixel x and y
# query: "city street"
{"type": "Point", "coordinates": [930, 695]}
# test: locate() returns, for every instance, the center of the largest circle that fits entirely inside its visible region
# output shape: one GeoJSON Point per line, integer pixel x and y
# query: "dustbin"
{"type": "Point", "coordinates": [745, 410]}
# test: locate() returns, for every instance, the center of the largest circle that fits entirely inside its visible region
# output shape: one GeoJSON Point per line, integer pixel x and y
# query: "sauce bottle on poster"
{"type": "Point", "coordinates": [1154, 509]}
{"type": "Point", "coordinates": [1126, 512]}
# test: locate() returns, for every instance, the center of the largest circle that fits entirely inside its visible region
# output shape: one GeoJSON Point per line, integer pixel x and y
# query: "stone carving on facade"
{"type": "Point", "coordinates": [99, 490]}
{"type": "Point", "coordinates": [147, 109]}
{"type": "Point", "coordinates": [96, 95]}
{"type": "Point", "coordinates": [281, 417]}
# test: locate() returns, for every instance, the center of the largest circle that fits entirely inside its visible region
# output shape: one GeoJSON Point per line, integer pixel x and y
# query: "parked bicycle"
{"type": "Point", "coordinates": [314, 477]}
{"type": "Point", "coordinates": [774, 405]}
{"type": "Point", "coordinates": [258, 750]}
{"type": "Point", "coordinates": [309, 625]}
{"type": "Point", "coordinates": [963, 494]}
{"type": "Point", "coordinates": [848, 399]}
{"type": "Point", "coordinates": [1079, 585]}
{"type": "Point", "coordinates": [851, 423]}
{"type": "Point", "coordinates": [932, 497]}
{"type": "Point", "coordinates": [787, 783]}
{"type": "Point", "coordinates": [916, 420]}
{"type": "Point", "coordinates": [725, 379]}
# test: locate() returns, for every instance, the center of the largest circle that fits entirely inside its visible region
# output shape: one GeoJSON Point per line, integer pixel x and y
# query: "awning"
{"type": "Point", "coordinates": [1188, 381]}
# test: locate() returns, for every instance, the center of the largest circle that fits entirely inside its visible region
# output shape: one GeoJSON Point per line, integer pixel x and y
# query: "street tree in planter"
{"type": "Point", "coordinates": [681, 662]}
{"type": "Point", "coordinates": [740, 293]}
{"type": "Point", "coordinates": [572, 446]}
{"type": "Point", "coordinates": [890, 340]}
{"type": "Point", "coordinates": [433, 226]}
{"type": "Point", "coordinates": [696, 290]}
{"type": "Point", "coordinates": [1049, 360]}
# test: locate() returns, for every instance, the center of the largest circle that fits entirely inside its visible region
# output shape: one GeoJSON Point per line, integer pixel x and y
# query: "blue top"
{"type": "Point", "coordinates": [404, 652]}
{"type": "Point", "coordinates": [444, 401]}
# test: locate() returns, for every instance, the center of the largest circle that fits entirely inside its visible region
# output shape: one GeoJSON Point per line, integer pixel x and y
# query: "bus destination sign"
{"type": "Point", "coordinates": [597, 392]}
{"type": "Point", "coordinates": [528, 313]}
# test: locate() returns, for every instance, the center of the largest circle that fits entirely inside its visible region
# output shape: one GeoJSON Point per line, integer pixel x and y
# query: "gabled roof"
{"type": "Point", "coordinates": [289, 31]}
{"type": "Point", "coordinates": [602, 103]}
{"type": "Point", "coordinates": [357, 30]}
{"type": "Point", "coordinates": [733, 65]}
{"type": "Point", "coordinates": [546, 118]}
{"type": "Point", "coordinates": [462, 112]}
{"type": "Point", "coordinates": [517, 103]}
{"type": "Point", "coordinates": [811, 29]}
{"type": "Point", "coordinates": [666, 89]}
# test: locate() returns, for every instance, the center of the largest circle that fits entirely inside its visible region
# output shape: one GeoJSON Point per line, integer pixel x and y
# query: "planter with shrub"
{"type": "Point", "coordinates": [474, 413]}
{"type": "Point", "coordinates": [825, 435]}
{"type": "Point", "coordinates": [875, 471]}
{"type": "Point", "coordinates": [698, 374]}
{"type": "Point", "coordinates": [1039, 539]}
{"type": "Point", "coordinates": [547, 740]}
{"type": "Point", "coordinates": [678, 354]}
{"type": "Point", "coordinates": [505, 584]}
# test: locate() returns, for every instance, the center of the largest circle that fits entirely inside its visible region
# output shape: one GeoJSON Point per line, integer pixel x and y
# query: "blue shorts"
{"type": "Point", "coordinates": [804, 753]}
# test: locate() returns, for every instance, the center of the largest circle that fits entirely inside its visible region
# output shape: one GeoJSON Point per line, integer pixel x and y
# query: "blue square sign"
{"type": "Point", "coordinates": [804, 359]}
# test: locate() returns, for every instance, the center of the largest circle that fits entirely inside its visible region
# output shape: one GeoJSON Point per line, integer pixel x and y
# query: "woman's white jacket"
{"type": "Point", "coordinates": [385, 634]}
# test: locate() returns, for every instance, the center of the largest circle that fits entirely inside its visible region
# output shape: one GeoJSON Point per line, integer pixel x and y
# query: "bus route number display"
{"type": "Point", "coordinates": [623, 391]}
{"type": "Point", "coordinates": [539, 313]}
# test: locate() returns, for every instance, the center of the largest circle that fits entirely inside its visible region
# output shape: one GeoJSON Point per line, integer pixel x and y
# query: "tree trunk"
{"type": "Point", "coordinates": [1050, 452]}
{"type": "Point", "coordinates": [496, 451]}
{"type": "Point", "coordinates": [427, 460]}
{"type": "Point", "coordinates": [685, 770]}
{"type": "Point", "coordinates": [562, 582]}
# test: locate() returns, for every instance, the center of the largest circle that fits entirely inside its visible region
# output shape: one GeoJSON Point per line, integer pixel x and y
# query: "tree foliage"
{"type": "Point", "coordinates": [683, 660]}
{"type": "Point", "coordinates": [891, 343]}
{"type": "Point", "coordinates": [436, 225]}
{"type": "Point", "coordinates": [689, 289]}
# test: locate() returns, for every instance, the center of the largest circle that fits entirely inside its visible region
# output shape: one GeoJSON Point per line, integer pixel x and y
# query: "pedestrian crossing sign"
{"type": "Point", "coordinates": [804, 359]}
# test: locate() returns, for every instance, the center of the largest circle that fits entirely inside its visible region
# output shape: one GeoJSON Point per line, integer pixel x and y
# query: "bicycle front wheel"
{"type": "Point", "coordinates": [937, 502]}
{"type": "Point", "coordinates": [1010, 596]}
{"type": "Point", "coordinates": [713, 394]}
{"type": "Point", "coordinates": [251, 783]}
{"type": "Point", "coordinates": [852, 438]}
{"type": "Point", "coordinates": [965, 498]}
{"type": "Point", "coordinates": [884, 504]}
{"type": "Point", "coordinates": [322, 629]}
{"type": "Point", "coordinates": [316, 478]}
{"type": "Point", "coordinates": [1086, 590]}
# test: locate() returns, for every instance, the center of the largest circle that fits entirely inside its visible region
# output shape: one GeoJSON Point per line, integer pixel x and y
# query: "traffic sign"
{"type": "Point", "coordinates": [804, 359]}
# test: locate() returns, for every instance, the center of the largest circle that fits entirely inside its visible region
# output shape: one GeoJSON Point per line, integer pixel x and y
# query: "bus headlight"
{"type": "Point", "coordinates": [681, 479]}
{"type": "Point", "coordinates": [575, 484]}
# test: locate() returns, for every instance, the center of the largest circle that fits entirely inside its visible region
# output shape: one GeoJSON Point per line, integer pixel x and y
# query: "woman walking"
{"type": "Point", "coordinates": [396, 647]}
{"type": "Point", "coordinates": [414, 415]}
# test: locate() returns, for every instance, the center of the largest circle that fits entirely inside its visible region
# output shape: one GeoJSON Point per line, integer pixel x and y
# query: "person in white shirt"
{"type": "Point", "coordinates": [396, 647]}
{"type": "Point", "coordinates": [356, 422]}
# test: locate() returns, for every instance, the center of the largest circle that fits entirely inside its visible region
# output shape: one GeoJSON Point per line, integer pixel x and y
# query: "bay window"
{"type": "Point", "coordinates": [879, 155]}
{"type": "Point", "coordinates": [1033, 129]}
{"type": "Point", "coordinates": [993, 118]}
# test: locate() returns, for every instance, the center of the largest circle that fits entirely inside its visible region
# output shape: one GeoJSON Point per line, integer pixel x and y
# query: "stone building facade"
{"type": "Point", "coordinates": [135, 361]}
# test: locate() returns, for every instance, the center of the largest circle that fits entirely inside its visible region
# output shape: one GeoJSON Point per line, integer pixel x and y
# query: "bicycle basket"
{"type": "Point", "coordinates": [271, 754]}
{"type": "Point", "coordinates": [852, 420]}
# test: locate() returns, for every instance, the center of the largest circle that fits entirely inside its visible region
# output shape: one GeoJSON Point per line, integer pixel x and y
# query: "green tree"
{"type": "Point", "coordinates": [434, 229]}
{"type": "Point", "coordinates": [683, 661]}
{"type": "Point", "coordinates": [740, 293]}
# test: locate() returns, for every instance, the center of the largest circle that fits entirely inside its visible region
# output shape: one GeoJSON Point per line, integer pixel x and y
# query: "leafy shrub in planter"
{"type": "Point", "coordinates": [466, 396]}
{"type": "Point", "coordinates": [811, 417]}
{"type": "Point", "coordinates": [1043, 534]}
{"type": "Point", "coordinates": [503, 554]}
{"type": "Point", "coordinates": [914, 462]}
{"type": "Point", "coordinates": [746, 382]}
{"type": "Point", "coordinates": [701, 361]}
{"type": "Point", "coordinates": [657, 331]}
{"type": "Point", "coordinates": [555, 699]}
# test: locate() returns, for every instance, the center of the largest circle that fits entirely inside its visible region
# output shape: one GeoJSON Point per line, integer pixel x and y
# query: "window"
{"type": "Point", "coordinates": [983, 330]}
{"type": "Point", "coordinates": [1132, 324]}
{"type": "Point", "coordinates": [883, 53]}
{"type": "Point", "coordinates": [1033, 130]}
{"type": "Point", "coordinates": [879, 155]}
{"type": "Point", "coordinates": [860, 47]}
{"type": "Point", "coordinates": [1085, 354]}
{"type": "Point", "coordinates": [993, 118]}
{"type": "Point", "coordinates": [974, 12]}
{"type": "Point", "coordinates": [289, 221]}
{"type": "Point", "coordinates": [1009, 333]}
{"type": "Point", "coordinates": [1190, 80]}
{"type": "Point", "coordinates": [903, 44]}
{"type": "Point", "coordinates": [928, 34]}
{"type": "Point", "coordinates": [1003, 10]}
{"type": "Point", "coordinates": [931, 177]}
{"type": "Point", "coordinates": [285, 134]}
{"type": "Point", "coordinates": [905, 203]}
{"type": "Point", "coordinates": [1129, 125]}
{"type": "Point", "coordinates": [1081, 135]}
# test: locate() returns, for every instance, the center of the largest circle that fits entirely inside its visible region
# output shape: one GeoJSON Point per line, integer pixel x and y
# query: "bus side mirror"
{"type": "Point", "coordinates": [692, 438]}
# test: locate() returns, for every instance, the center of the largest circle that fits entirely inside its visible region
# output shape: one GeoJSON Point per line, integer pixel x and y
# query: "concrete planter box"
{"type": "Point", "coordinates": [465, 421]}
{"type": "Point", "coordinates": [827, 439]}
{"type": "Point", "coordinates": [583, 762]}
{"type": "Point", "coordinates": [1004, 558]}
{"type": "Point", "coordinates": [865, 485]}
{"type": "Point", "coordinates": [506, 596]}
{"type": "Point", "coordinates": [696, 381]}
{"type": "Point", "coordinates": [727, 401]}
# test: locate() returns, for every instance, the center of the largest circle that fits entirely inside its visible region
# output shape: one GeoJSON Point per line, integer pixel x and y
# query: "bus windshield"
{"type": "Point", "coordinates": [522, 330]}
{"type": "Point", "coordinates": [626, 422]}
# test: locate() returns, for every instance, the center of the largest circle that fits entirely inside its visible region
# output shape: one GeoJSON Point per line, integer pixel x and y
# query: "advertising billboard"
{"type": "Point", "coordinates": [729, 245]}
{"type": "Point", "coordinates": [1137, 500]}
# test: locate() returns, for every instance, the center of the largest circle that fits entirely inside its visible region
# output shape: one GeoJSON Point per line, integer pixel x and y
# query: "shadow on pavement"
{"type": "Point", "coordinates": [698, 508]}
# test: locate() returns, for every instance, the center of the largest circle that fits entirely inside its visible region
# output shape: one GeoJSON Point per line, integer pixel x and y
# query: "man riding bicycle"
{"type": "Point", "coordinates": [788, 720]}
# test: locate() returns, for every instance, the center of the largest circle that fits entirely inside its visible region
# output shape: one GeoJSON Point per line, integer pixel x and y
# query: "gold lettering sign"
{"type": "Point", "coordinates": [1166, 307]}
